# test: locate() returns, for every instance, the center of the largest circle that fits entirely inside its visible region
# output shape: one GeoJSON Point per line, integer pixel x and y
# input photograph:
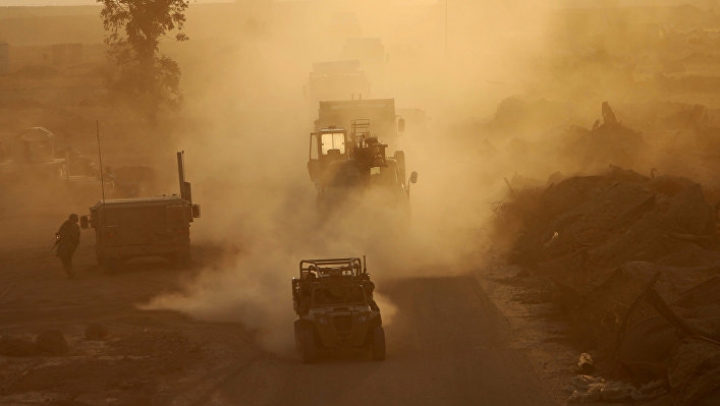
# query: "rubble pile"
{"type": "Point", "coordinates": [607, 142]}
{"type": "Point", "coordinates": [636, 265]}
{"type": "Point", "coordinates": [588, 225]}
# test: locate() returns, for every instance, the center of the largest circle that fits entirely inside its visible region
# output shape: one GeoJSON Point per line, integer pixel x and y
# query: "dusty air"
{"type": "Point", "coordinates": [314, 202]}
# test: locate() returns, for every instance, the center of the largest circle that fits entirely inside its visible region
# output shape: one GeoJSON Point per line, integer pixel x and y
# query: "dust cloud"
{"type": "Point", "coordinates": [249, 115]}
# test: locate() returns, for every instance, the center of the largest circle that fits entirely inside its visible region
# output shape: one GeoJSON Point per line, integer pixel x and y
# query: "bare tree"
{"type": "Point", "coordinates": [134, 29]}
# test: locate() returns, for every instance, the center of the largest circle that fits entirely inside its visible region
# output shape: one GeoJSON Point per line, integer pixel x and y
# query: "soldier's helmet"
{"type": "Point", "coordinates": [73, 217]}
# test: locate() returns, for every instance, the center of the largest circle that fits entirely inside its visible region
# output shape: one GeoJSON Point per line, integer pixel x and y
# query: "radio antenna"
{"type": "Point", "coordinates": [102, 176]}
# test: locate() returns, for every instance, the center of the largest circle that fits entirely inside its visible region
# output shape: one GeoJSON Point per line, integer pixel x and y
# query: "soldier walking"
{"type": "Point", "coordinates": [68, 239]}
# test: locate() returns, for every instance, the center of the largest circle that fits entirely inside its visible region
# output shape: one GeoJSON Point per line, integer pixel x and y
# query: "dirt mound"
{"type": "Point", "coordinates": [634, 261]}
{"type": "Point", "coordinates": [95, 331]}
{"type": "Point", "coordinates": [16, 347]}
{"type": "Point", "coordinates": [592, 224]}
{"type": "Point", "coordinates": [695, 374]}
{"type": "Point", "coordinates": [51, 342]}
{"type": "Point", "coordinates": [609, 143]}
{"type": "Point", "coordinates": [135, 367]}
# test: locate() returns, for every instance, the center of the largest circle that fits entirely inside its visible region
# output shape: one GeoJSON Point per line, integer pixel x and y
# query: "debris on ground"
{"type": "Point", "coordinates": [586, 365]}
{"type": "Point", "coordinates": [589, 389]}
{"type": "Point", "coordinates": [635, 264]}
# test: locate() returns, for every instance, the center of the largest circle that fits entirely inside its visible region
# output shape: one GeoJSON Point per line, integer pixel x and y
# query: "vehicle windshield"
{"type": "Point", "coordinates": [332, 141]}
{"type": "Point", "coordinates": [338, 294]}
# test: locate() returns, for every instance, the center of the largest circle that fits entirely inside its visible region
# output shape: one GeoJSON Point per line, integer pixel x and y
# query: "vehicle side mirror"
{"type": "Point", "coordinates": [84, 222]}
{"type": "Point", "coordinates": [413, 177]}
{"type": "Point", "coordinates": [196, 211]}
{"type": "Point", "coordinates": [401, 125]}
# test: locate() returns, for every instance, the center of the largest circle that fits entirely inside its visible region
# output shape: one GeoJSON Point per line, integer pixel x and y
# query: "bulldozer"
{"type": "Point", "coordinates": [333, 299]}
{"type": "Point", "coordinates": [345, 164]}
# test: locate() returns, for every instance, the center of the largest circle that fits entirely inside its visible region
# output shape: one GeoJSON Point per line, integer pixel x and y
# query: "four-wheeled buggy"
{"type": "Point", "coordinates": [333, 299]}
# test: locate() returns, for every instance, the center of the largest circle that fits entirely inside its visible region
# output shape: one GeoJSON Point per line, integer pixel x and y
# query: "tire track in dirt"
{"type": "Point", "coordinates": [448, 345]}
{"type": "Point", "coordinates": [204, 390]}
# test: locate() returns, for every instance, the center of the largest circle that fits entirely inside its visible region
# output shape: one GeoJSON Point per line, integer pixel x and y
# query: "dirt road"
{"type": "Point", "coordinates": [448, 344]}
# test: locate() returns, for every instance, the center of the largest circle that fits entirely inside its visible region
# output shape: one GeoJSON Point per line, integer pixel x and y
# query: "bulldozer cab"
{"type": "Point", "coordinates": [334, 144]}
{"type": "Point", "coordinates": [326, 146]}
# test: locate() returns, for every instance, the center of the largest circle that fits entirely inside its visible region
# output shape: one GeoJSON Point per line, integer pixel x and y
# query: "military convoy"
{"type": "Point", "coordinates": [333, 299]}
{"type": "Point", "coordinates": [144, 227]}
{"type": "Point", "coordinates": [347, 162]}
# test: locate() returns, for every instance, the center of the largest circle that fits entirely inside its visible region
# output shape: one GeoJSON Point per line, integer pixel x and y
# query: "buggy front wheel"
{"type": "Point", "coordinates": [378, 343]}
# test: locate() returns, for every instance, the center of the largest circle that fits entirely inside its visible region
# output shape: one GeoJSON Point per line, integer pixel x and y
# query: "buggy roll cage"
{"type": "Point", "coordinates": [321, 268]}
{"type": "Point", "coordinates": [315, 273]}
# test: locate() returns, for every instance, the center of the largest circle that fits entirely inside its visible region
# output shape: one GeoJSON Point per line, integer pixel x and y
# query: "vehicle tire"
{"type": "Point", "coordinates": [378, 343]}
{"type": "Point", "coordinates": [308, 347]}
{"type": "Point", "coordinates": [298, 334]}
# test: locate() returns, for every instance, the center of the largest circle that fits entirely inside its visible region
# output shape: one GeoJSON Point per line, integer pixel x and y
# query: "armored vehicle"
{"type": "Point", "coordinates": [144, 227]}
{"type": "Point", "coordinates": [333, 299]}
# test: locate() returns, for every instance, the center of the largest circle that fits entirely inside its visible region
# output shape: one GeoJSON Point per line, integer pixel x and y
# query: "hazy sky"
{"type": "Point", "coordinates": [6, 3]}
{"type": "Point", "coordinates": [571, 3]}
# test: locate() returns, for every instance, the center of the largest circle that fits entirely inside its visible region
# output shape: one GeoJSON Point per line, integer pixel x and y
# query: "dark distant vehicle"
{"type": "Point", "coordinates": [31, 156]}
{"type": "Point", "coordinates": [335, 80]}
{"type": "Point", "coordinates": [144, 227]}
{"type": "Point", "coordinates": [333, 299]}
{"type": "Point", "coordinates": [370, 52]}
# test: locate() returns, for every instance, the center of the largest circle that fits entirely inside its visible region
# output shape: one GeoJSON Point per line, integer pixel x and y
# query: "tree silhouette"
{"type": "Point", "coordinates": [134, 29]}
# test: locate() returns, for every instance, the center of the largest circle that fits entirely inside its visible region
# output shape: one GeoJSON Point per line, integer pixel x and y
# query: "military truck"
{"type": "Point", "coordinates": [144, 227]}
{"type": "Point", "coordinates": [333, 299]}
{"type": "Point", "coordinates": [336, 79]}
